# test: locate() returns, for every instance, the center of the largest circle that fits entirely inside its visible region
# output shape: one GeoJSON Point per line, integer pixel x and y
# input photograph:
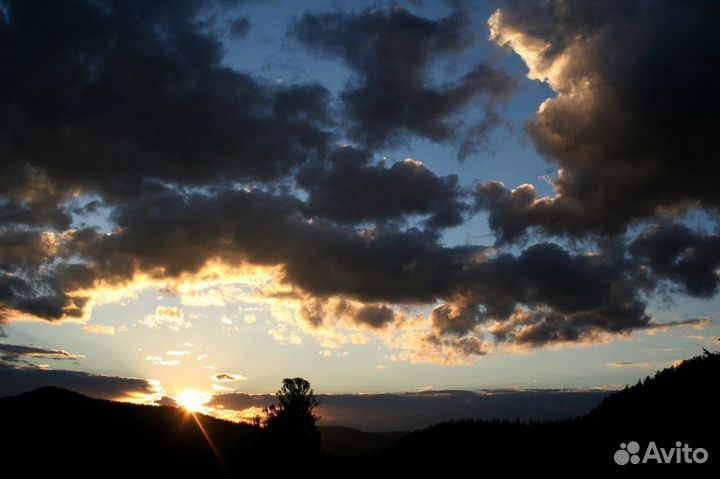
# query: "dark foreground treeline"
{"type": "Point", "coordinates": [56, 433]}
{"type": "Point", "coordinates": [677, 404]}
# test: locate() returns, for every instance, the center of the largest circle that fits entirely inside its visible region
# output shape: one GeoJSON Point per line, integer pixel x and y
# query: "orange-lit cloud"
{"type": "Point", "coordinates": [98, 329]}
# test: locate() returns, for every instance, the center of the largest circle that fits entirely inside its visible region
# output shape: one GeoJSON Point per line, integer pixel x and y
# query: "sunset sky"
{"type": "Point", "coordinates": [378, 197]}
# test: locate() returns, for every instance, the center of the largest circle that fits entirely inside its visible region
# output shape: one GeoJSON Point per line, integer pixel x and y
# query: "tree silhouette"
{"type": "Point", "coordinates": [290, 425]}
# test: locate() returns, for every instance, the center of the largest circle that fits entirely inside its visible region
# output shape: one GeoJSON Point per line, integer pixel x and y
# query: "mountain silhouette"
{"type": "Point", "coordinates": [53, 432]}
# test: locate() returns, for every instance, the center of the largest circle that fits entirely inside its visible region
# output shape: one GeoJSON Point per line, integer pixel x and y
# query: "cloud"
{"type": "Point", "coordinates": [678, 254]}
{"type": "Point", "coordinates": [197, 167]}
{"type": "Point", "coordinates": [694, 323]}
{"type": "Point", "coordinates": [138, 94]}
{"type": "Point", "coordinates": [317, 312]}
{"type": "Point", "coordinates": [237, 226]}
{"type": "Point", "coordinates": [713, 340]}
{"type": "Point", "coordinates": [630, 128]}
{"type": "Point", "coordinates": [337, 275]}
{"type": "Point", "coordinates": [159, 361]}
{"type": "Point", "coordinates": [177, 353]}
{"type": "Point", "coordinates": [166, 316]}
{"type": "Point", "coordinates": [543, 295]}
{"type": "Point", "coordinates": [16, 353]}
{"type": "Point", "coordinates": [167, 401]}
{"type": "Point", "coordinates": [40, 295]}
{"type": "Point", "coordinates": [98, 329]}
{"type": "Point", "coordinates": [284, 336]}
{"type": "Point", "coordinates": [239, 27]}
{"type": "Point", "coordinates": [227, 377]}
{"type": "Point", "coordinates": [23, 249]}
{"type": "Point", "coordinates": [348, 189]}
{"type": "Point", "coordinates": [623, 365]}
{"type": "Point", "coordinates": [16, 380]}
{"type": "Point", "coordinates": [390, 51]}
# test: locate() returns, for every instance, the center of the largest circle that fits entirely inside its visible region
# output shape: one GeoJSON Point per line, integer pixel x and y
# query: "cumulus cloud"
{"type": "Point", "coordinates": [390, 51]}
{"type": "Point", "coordinates": [676, 253]}
{"type": "Point", "coordinates": [166, 316]}
{"type": "Point", "coordinates": [132, 92]}
{"type": "Point", "coordinates": [631, 125]}
{"type": "Point", "coordinates": [197, 164]}
{"type": "Point", "coordinates": [545, 294]}
{"type": "Point", "coordinates": [349, 189]}
{"type": "Point", "coordinates": [254, 226]}
{"type": "Point", "coordinates": [317, 312]}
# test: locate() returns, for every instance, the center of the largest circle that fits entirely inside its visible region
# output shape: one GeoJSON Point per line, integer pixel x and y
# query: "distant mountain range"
{"type": "Point", "coordinates": [53, 432]}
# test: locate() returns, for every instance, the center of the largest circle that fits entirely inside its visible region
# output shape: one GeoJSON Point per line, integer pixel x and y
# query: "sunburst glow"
{"type": "Point", "coordinates": [192, 400]}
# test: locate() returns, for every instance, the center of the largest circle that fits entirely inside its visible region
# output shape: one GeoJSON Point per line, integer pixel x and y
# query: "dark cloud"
{"type": "Point", "coordinates": [374, 316]}
{"type": "Point", "coordinates": [411, 411]}
{"type": "Point", "coordinates": [685, 257]}
{"type": "Point", "coordinates": [318, 311]}
{"type": "Point", "coordinates": [390, 50]}
{"type": "Point", "coordinates": [544, 295]}
{"type": "Point", "coordinates": [16, 380]}
{"type": "Point", "coordinates": [35, 212]}
{"type": "Point", "coordinates": [349, 189]}
{"type": "Point", "coordinates": [129, 105]}
{"type": "Point", "coordinates": [169, 233]}
{"type": "Point", "coordinates": [227, 377]}
{"type": "Point", "coordinates": [239, 27]}
{"type": "Point", "coordinates": [167, 401]}
{"type": "Point", "coordinates": [104, 96]}
{"type": "Point", "coordinates": [632, 125]}
{"type": "Point", "coordinates": [16, 353]}
{"type": "Point", "coordinates": [511, 212]}
{"type": "Point", "coordinates": [455, 319]}
{"type": "Point", "coordinates": [43, 295]}
{"type": "Point", "coordinates": [24, 249]}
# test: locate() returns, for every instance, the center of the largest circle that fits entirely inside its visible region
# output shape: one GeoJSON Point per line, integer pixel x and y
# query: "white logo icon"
{"type": "Point", "coordinates": [680, 454]}
{"type": "Point", "coordinates": [627, 453]}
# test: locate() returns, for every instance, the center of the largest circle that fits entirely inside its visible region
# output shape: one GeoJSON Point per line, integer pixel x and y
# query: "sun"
{"type": "Point", "coordinates": [192, 400]}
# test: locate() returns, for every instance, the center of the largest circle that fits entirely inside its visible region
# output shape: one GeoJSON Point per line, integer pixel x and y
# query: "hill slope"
{"type": "Point", "coordinates": [677, 404]}
{"type": "Point", "coordinates": [347, 441]}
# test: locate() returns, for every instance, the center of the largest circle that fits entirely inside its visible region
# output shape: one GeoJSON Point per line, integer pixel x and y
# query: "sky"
{"type": "Point", "coordinates": [199, 199]}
